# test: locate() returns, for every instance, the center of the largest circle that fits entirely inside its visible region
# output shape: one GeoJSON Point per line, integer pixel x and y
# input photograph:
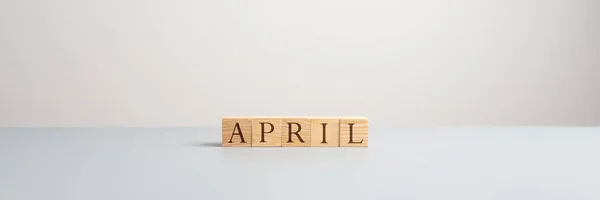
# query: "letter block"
{"type": "Point", "coordinates": [295, 132]}
{"type": "Point", "coordinates": [236, 132]}
{"type": "Point", "coordinates": [325, 132]}
{"type": "Point", "coordinates": [266, 132]}
{"type": "Point", "coordinates": [354, 132]}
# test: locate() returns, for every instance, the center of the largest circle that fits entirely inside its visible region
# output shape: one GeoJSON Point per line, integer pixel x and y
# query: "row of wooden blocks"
{"type": "Point", "coordinates": [295, 132]}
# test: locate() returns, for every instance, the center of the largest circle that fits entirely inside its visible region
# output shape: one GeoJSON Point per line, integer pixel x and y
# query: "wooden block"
{"type": "Point", "coordinates": [325, 132]}
{"type": "Point", "coordinates": [354, 132]}
{"type": "Point", "coordinates": [266, 131]}
{"type": "Point", "coordinates": [295, 132]}
{"type": "Point", "coordinates": [236, 131]}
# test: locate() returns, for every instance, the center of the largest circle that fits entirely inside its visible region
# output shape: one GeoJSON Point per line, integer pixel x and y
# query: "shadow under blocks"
{"type": "Point", "coordinates": [295, 132]}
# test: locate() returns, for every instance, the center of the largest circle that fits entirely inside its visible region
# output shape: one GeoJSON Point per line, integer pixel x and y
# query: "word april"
{"type": "Point", "coordinates": [295, 132]}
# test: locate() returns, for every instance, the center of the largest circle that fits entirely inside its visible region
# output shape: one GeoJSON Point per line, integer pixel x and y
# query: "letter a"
{"type": "Point", "coordinates": [237, 126]}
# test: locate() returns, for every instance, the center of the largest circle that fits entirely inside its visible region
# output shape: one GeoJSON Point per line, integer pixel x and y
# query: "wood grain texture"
{"type": "Point", "coordinates": [295, 132]}
{"type": "Point", "coordinates": [266, 131]}
{"type": "Point", "coordinates": [236, 131]}
{"type": "Point", "coordinates": [330, 137]}
{"type": "Point", "coordinates": [358, 127]}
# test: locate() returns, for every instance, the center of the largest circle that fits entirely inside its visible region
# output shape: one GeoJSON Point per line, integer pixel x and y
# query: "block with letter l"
{"type": "Point", "coordinates": [354, 132]}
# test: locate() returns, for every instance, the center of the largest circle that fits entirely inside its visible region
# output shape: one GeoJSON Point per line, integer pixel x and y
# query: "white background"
{"type": "Point", "coordinates": [189, 62]}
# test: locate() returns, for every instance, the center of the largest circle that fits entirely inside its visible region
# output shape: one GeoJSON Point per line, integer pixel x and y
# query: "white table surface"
{"type": "Point", "coordinates": [459, 163]}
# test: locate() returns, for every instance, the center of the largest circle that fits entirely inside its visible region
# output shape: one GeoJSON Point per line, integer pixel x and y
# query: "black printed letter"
{"type": "Point", "coordinates": [351, 142]}
{"type": "Point", "coordinates": [290, 132]}
{"type": "Point", "coordinates": [324, 133]}
{"type": "Point", "coordinates": [262, 130]}
{"type": "Point", "coordinates": [237, 126]}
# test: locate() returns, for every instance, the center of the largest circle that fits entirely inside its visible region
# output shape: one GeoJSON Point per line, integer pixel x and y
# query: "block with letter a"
{"type": "Point", "coordinates": [236, 131]}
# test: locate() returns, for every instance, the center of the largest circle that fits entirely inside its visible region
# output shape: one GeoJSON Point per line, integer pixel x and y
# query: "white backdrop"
{"type": "Point", "coordinates": [189, 62]}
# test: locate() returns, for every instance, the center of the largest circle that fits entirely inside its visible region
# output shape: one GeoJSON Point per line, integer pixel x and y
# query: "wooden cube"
{"type": "Point", "coordinates": [325, 132]}
{"type": "Point", "coordinates": [236, 131]}
{"type": "Point", "coordinates": [295, 132]}
{"type": "Point", "coordinates": [354, 132]}
{"type": "Point", "coordinates": [266, 132]}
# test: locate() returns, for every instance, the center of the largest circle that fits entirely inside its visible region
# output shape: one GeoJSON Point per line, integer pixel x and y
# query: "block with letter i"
{"type": "Point", "coordinates": [354, 132]}
{"type": "Point", "coordinates": [236, 131]}
{"type": "Point", "coordinates": [295, 132]}
{"type": "Point", "coordinates": [266, 132]}
{"type": "Point", "coordinates": [325, 132]}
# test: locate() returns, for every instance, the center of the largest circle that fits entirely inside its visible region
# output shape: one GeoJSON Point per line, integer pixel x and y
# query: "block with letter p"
{"type": "Point", "coordinates": [266, 132]}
